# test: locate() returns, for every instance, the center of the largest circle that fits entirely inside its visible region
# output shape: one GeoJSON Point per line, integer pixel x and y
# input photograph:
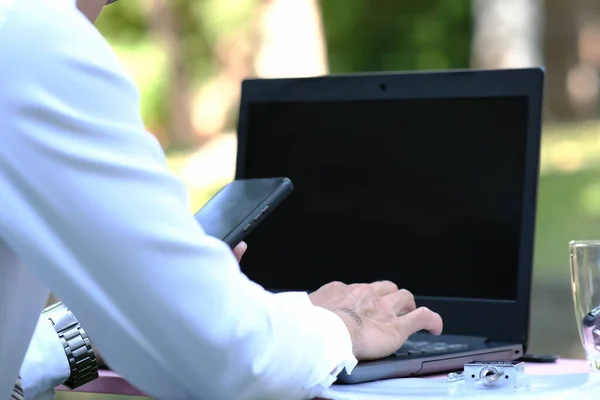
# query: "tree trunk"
{"type": "Point", "coordinates": [164, 26]}
{"type": "Point", "coordinates": [507, 33]}
{"type": "Point", "coordinates": [286, 39]}
{"type": "Point", "coordinates": [583, 79]}
{"type": "Point", "coordinates": [560, 50]}
{"type": "Point", "coordinates": [292, 42]}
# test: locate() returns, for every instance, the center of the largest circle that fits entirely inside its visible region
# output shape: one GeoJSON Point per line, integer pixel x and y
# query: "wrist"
{"type": "Point", "coordinates": [353, 323]}
{"type": "Point", "coordinates": [77, 346]}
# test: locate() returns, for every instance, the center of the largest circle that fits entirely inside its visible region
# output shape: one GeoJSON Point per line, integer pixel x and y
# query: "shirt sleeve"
{"type": "Point", "coordinates": [98, 217]}
{"type": "Point", "coordinates": [45, 365]}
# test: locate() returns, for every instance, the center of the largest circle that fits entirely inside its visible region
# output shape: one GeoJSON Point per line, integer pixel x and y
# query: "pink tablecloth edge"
{"type": "Point", "coordinates": [112, 383]}
{"type": "Point", "coordinates": [108, 383]}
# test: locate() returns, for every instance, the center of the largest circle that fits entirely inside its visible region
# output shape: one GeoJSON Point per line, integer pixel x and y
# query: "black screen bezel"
{"type": "Point", "coordinates": [498, 320]}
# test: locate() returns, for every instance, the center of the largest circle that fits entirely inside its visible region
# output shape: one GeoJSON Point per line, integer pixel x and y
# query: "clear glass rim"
{"type": "Point", "coordinates": [584, 243]}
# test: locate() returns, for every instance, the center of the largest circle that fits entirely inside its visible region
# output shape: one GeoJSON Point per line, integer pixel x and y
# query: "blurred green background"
{"type": "Point", "coordinates": [189, 56]}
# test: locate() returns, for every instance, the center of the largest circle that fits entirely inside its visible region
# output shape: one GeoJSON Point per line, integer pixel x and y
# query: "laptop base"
{"type": "Point", "coordinates": [400, 367]}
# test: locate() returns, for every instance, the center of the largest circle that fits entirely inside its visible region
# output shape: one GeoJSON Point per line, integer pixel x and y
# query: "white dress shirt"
{"type": "Point", "coordinates": [45, 365]}
{"type": "Point", "coordinates": [90, 211]}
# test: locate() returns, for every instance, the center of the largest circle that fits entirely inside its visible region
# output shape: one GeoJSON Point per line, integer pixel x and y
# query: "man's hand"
{"type": "Point", "coordinates": [378, 316]}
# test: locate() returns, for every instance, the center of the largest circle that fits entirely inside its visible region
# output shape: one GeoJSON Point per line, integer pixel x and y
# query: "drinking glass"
{"type": "Point", "coordinates": [585, 284]}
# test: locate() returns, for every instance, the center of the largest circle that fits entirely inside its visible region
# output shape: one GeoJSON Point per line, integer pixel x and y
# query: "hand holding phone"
{"type": "Point", "coordinates": [236, 210]}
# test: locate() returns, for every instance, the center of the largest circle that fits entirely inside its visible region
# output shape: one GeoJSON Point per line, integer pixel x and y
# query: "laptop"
{"type": "Point", "coordinates": [428, 179]}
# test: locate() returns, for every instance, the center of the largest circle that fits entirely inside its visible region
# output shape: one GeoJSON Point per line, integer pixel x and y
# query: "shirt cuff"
{"type": "Point", "coordinates": [45, 365]}
{"type": "Point", "coordinates": [341, 349]}
{"type": "Point", "coordinates": [338, 355]}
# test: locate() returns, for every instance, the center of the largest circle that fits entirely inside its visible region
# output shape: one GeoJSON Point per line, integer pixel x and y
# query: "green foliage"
{"type": "Point", "coordinates": [200, 25]}
{"type": "Point", "coordinates": [146, 65]}
{"type": "Point", "coordinates": [564, 214]}
{"type": "Point", "coordinates": [361, 36]}
{"type": "Point", "coordinates": [221, 18]}
{"type": "Point", "coordinates": [209, 21]}
{"type": "Point", "coordinates": [385, 35]}
{"type": "Point", "coordinates": [124, 22]}
{"type": "Point", "coordinates": [125, 25]}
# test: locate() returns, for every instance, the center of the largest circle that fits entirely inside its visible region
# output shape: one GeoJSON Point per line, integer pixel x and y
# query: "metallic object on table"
{"type": "Point", "coordinates": [585, 284]}
{"type": "Point", "coordinates": [456, 376]}
{"type": "Point", "coordinates": [591, 330]}
{"type": "Point", "coordinates": [491, 373]}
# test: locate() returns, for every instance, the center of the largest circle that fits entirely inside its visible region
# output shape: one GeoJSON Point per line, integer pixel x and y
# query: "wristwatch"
{"type": "Point", "coordinates": [76, 343]}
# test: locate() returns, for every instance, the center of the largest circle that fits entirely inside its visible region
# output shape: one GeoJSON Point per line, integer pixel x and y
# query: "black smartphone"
{"type": "Point", "coordinates": [238, 208]}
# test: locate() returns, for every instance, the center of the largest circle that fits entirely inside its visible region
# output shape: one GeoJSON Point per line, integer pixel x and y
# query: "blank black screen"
{"type": "Point", "coordinates": [427, 193]}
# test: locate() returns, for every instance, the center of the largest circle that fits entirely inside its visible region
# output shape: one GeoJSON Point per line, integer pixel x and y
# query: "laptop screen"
{"type": "Point", "coordinates": [427, 193]}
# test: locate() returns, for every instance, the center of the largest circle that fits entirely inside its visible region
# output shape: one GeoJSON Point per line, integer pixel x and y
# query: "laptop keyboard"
{"type": "Point", "coordinates": [421, 348]}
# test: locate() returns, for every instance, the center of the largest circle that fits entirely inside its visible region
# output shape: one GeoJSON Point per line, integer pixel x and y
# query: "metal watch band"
{"type": "Point", "coordinates": [76, 343]}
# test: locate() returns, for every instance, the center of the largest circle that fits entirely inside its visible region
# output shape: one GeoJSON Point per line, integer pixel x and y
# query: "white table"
{"type": "Point", "coordinates": [112, 383]}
